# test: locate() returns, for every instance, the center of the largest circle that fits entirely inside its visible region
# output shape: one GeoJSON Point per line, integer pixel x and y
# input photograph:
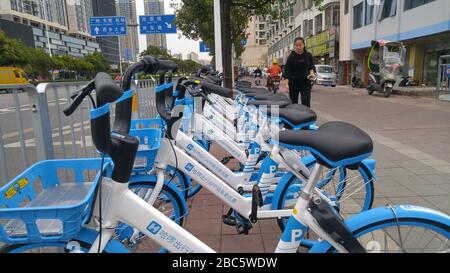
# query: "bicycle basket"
{"type": "Point", "coordinates": [50, 201]}
{"type": "Point", "coordinates": [149, 141]}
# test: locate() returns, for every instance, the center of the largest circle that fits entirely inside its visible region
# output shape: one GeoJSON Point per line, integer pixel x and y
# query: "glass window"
{"type": "Point", "coordinates": [369, 13]}
{"type": "Point", "coordinates": [411, 4]}
{"type": "Point", "coordinates": [336, 16]}
{"type": "Point", "coordinates": [346, 6]}
{"type": "Point", "coordinates": [318, 20]}
{"type": "Point", "coordinates": [388, 9]}
{"type": "Point", "coordinates": [358, 16]}
{"type": "Point", "coordinates": [328, 17]}
{"type": "Point", "coordinates": [325, 69]}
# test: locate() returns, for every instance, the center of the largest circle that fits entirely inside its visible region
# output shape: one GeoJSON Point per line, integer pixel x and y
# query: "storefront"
{"type": "Point", "coordinates": [421, 63]}
{"type": "Point", "coordinates": [324, 47]}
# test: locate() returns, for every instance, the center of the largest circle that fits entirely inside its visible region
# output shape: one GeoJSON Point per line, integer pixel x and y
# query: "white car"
{"type": "Point", "coordinates": [326, 75]}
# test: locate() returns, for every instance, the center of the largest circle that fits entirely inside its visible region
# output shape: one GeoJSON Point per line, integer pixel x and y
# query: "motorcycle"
{"type": "Point", "coordinates": [407, 81]}
{"type": "Point", "coordinates": [257, 79]}
{"type": "Point", "coordinates": [275, 83]}
{"type": "Point", "coordinates": [356, 82]}
{"type": "Point", "coordinates": [385, 62]}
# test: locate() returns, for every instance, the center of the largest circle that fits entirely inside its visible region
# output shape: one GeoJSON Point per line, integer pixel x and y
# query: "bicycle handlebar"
{"type": "Point", "coordinates": [216, 89]}
{"type": "Point", "coordinates": [106, 89]}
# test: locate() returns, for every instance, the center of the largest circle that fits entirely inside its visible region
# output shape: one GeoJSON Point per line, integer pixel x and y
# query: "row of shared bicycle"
{"type": "Point", "coordinates": [316, 182]}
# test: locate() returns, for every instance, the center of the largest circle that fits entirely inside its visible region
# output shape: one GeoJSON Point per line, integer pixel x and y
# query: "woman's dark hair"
{"type": "Point", "coordinates": [300, 39]}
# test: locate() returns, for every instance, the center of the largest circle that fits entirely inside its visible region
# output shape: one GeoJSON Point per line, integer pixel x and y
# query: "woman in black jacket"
{"type": "Point", "coordinates": [299, 66]}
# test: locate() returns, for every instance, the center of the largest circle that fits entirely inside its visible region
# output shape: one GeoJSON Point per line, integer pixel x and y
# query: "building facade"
{"type": "Point", "coordinates": [320, 28]}
{"type": "Point", "coordinates": [129, 44]}
{"type": "Point", "coordinates": [193, 57]}
{"type": "Point", "coordinates": [178, 56]}
{"type": "Point", "coordinates": [256, 49]}
{"type": "Point", "coordinates": [155, 7]}
{"type": "Point", "coordinates": [45, 24]}
{"type": "Point", "coordinates": [78, 13]}
{"type": "Point", "coordinates": [108, 45]}
{"type": "Point", "coordinates": [422, 25]}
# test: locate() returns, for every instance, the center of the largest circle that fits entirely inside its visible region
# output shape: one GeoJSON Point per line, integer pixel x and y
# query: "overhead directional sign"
{"type": "Point", "coordinates": [108, 26]}
{"type": "Point", "coordinates": [204, 47]}
{"type": "Point", "coordinates": [157, 24]}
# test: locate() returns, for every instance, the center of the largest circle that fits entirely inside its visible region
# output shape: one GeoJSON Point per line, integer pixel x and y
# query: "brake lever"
{"type": "Point", "coordinates": [74, 95]}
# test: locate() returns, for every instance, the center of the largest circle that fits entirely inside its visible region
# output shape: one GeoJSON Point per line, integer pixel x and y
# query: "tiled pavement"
{"type": "Point", "coordinates": [411, 145]}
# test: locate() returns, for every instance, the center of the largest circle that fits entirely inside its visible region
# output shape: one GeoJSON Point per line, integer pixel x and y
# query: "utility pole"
{"type": "Point", "coordinates": [225, 18]}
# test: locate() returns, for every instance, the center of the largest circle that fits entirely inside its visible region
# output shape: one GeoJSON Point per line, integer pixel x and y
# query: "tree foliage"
{"type": "Point", "coordinates": [184, 66]}
{"type": "Point", "coordinates": [37, 63]}
{"type": "Point", "coordinates": [195, 18]}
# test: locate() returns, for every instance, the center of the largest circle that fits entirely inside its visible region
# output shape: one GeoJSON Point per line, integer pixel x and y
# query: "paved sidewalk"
{"type": "Point", "coordinates": [411, 145]}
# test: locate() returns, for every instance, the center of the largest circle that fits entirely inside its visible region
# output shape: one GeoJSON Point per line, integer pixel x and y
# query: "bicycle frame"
{"type": "Point", "coordinates": [122, 205]}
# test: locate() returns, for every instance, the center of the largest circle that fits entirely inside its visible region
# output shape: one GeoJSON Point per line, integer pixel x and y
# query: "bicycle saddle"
{"type": "Point", "coordinates": [257, 90]}
{"type": "Point", "coordinates": [280, 103]}
{"type": "Point", "coordinates": [270, 96]}
{"type": "Point", "coordinates": [333, 144]}
{"type": "Point", "coordinates": [295, 115]}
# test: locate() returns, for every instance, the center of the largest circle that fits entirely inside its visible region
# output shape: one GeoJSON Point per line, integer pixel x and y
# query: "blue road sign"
{"type": "Point", "coordinates": [108, 26]}
{"type": "Point", "coordinates": [244, 41]}
{"type": "Point", "coordinates": [157, 24]}
{"type": "Point", "coordinates": [448, 70]}
{"type": "Point", "coordinates": [204, 47]}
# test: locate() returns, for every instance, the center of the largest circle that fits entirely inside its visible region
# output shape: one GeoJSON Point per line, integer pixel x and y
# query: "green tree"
{"type": "Point", "coordinates": [195, 19]}
{"type": "Point", "coordinates": [98, 61]}
{"type": "Point", "coordinates": [13, 52]}
{"type": "Point", "coordinates": [190, 66]}
{"type": "Point", "coordinates": [39, 63]}
{"type": "Point", "coordinates": [155, 52]}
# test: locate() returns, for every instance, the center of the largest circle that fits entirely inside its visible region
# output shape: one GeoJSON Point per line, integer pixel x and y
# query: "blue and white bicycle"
{"type": "Point", "coordinates": [397, 228]}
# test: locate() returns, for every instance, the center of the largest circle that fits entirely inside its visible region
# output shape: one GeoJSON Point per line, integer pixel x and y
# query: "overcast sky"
{"type": "Point", "coordinates": [174, 44]}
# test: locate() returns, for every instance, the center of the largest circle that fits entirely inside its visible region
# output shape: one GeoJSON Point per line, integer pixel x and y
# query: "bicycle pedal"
{"type": "Point", "coordinates": [225, 160]}
{"type": "Point", "coordinates": [244, 227]}
{"type": "Point", "coordinates": [229, 220]}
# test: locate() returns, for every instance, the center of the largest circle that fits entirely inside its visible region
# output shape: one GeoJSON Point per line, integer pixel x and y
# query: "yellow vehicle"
{"type": "Point", "coordinates": [12, 75]}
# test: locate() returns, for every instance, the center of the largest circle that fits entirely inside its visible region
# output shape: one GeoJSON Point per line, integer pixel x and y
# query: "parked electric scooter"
{"type": "Point", "coordinates": [385, 61]}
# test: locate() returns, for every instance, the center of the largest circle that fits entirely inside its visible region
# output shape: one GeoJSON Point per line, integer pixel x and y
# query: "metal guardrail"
{"type": "Point", "coordinates": [51, 134]}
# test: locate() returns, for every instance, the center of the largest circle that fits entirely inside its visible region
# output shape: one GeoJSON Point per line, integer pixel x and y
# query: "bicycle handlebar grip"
{"type": "Point", "coordinates": [106, 89]}
{"type": "Point", "coordinates": [79, 98]}
{"type": "Point", "coordinates": [214, 79]}
{"type": "Point", "coordinates": [167, 65]}
{"type": "Point", "coordinates": [219, 90]}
